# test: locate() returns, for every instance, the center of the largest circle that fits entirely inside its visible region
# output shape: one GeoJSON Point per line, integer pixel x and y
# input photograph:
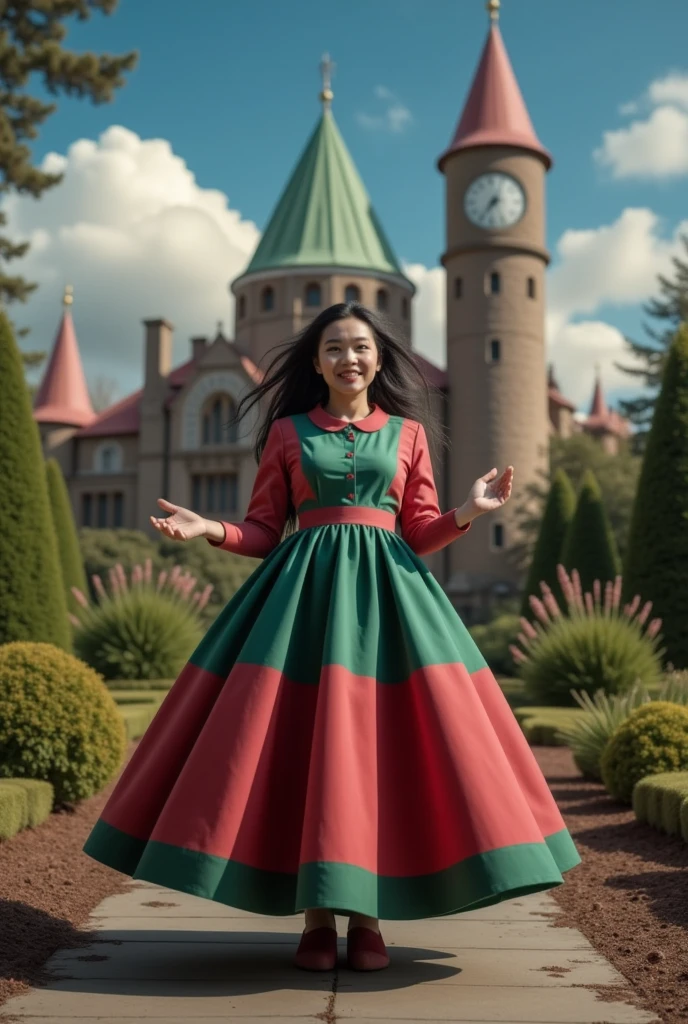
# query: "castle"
{"type": "Point", "coordinates": [324, 244]}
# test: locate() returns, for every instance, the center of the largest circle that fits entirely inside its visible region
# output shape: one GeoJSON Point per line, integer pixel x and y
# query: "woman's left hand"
{"type": "Point", "coordinates": [489, 493]}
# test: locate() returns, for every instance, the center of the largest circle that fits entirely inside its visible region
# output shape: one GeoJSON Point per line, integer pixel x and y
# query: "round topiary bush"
{"type": "Point", "coordinates": [653, 739]}
{"type": "Point", "coordinates": [58, 721]}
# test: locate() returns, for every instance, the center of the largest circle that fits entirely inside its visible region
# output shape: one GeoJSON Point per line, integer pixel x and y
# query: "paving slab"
{"type": "Point", "coordinates": [198, 960]}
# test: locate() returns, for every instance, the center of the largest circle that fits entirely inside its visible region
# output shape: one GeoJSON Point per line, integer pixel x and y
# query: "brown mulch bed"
{"type": "Point", "coordinates": [629, 897]}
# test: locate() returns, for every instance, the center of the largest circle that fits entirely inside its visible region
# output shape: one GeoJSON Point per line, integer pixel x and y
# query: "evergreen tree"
{"type": "Point", "coordinates": [31, 37]}
{"type": "Point", "coordinates": [589, 544]}
{"type": "Point", "coordinates": [559, 509]}
{"type": "Point", "coordinates": [671, 309]}
{"type": "Point", "coordinates": [32, 599]}
{"type": "Point", "coordinates": [656, 565]}
{"type": "Point", "coordinates": [73, 574]}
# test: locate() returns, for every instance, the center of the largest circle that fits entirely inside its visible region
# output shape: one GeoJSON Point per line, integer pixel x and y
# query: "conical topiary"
{"type": "Point", "coordinates": [657, 554]}
{"type": "Point", "coordinates": [558, 513]}
{"type": "Point", "coordinates": [73, 573]}
{"type": "Point", "coordinates": [32, 599]}
{"type": "Point", "coordinates": [589, 545]}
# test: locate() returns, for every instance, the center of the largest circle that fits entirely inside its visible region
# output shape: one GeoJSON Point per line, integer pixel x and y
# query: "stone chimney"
{"type": "Point", "coordinates": [158, 359]}
{"type": "Point", "coordinates": [198, 347]}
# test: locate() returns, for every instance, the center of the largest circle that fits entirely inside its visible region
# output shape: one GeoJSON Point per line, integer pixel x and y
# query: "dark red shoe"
{"type": "Point", "coordinates": [365, 950]}
{"type": "Point", "coordinates": [317, 950]}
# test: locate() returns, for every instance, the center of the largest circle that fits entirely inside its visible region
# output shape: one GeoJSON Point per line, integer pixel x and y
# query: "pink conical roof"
{"type": "Point", "coordinates": [63, 396]}
{"type": "Point", "coordinates": [598, 406]}
{"type": "Point", "coordinates": [495, 113]}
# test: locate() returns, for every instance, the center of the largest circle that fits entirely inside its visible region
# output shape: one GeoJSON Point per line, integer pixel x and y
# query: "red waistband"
{"type": "Point", "coordinates": [361, 514]}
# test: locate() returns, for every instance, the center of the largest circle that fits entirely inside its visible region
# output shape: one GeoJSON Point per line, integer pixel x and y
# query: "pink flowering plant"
{"type": "Point", "coordinates": [142, 628]}
{"type": "Point", "coordinates": [594, 643]}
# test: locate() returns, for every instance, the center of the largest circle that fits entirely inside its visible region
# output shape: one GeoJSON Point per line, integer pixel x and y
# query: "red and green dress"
{"type": "Point", "coordinates": [337, 739]}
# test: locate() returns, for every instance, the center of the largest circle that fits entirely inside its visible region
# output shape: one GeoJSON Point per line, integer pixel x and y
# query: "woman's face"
{"type": "Point", "coordinates": [347, 356]}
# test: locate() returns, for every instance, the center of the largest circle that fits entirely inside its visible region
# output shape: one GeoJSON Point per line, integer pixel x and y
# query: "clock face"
{"type": "Point", "coordinates": [494, 200]}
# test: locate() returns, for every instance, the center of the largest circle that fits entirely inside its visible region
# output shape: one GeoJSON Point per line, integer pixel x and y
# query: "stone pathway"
{"type": "Point", "coordinates": [171, 958]}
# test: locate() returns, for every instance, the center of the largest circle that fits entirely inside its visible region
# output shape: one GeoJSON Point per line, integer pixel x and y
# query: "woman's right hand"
{"type": "Point", "coordinates": [182, 524]}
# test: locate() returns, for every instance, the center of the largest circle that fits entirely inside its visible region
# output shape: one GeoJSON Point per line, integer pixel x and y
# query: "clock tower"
{"type": "Point", "coordinates": [495, 260]}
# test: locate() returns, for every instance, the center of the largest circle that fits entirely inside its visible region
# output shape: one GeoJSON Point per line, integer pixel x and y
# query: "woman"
{"type": "Point", "coordinates": [336, 743]}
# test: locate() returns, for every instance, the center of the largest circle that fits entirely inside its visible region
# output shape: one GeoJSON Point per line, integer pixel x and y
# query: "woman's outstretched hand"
{"type": "Point", "coordinates": [489, 493]}
{"type": "Point", "coordinates": [182, 524]}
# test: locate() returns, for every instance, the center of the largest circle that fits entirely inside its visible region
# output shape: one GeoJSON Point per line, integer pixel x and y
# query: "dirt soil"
{"type": "Point", "coordinates": [629, 897]}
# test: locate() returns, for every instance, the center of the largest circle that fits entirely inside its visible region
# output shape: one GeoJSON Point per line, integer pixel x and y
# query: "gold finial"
{"type": "Point", "coordinates": [326, 69]}
{"type": "Point", "coordinates": [68, 295]}
{"type": "Point", "coordinates": [492, 6]}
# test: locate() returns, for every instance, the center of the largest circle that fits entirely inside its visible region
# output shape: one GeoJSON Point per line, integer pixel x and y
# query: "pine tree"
{"type": "Point", "coordinates": [32, 599]}
{"type": "Point", "coordinates": [31, 37]}
{"type": "Point", "coordinates": [656, 565]}
{"type": "Point", "coordinates": [557, 515]}
{"type": "Point", "coordinates": [71, 562]}
{"type": "Point", "coordinates": [671, 309]}
{"type": "Point", "coordinates": [589, 545]}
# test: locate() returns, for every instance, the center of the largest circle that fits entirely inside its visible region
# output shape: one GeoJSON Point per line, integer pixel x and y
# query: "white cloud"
{"type": "Point", "coordinates": [656, 147]}
{"type": "Point", "coordinates": [137, 237]}
{"type": "Point", "coordinates": [429, 317]}
{"type": "Point", "coordinates": [395, 118]}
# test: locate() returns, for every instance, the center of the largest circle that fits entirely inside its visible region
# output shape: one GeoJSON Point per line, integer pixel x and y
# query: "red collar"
{"type": "Point", "coordinates": [326, 421]}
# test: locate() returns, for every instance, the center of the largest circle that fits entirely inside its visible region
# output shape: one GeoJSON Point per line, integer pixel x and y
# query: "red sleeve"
{"type": "Point", "coordinates": [262, 528]}
{"type": "Point", "coordinates": [423, 526]}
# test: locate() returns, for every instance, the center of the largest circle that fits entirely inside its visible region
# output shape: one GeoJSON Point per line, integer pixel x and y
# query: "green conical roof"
{"type": "Point", "coordinates": [324, 217]}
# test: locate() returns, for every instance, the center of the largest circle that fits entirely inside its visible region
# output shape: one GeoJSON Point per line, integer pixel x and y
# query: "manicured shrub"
{"type": "Point", "coordinates": [652, 739]}
{"type": "Point", "coordinates": [495, 639]}
{"type": "Point", "coordinates": [596, 645]}
{"type": "Point", "coordinates": [657, 800]}
{"type": "Point", "coordinates": [589, 546]}
{"type": "Point", "coordinates": [656, 562]}
{"type": "Point", "coordinates": [141, 630]}
{"type": "Point", "coordinates": [556, 518]}
{"type": "Point", "coordinates": [69, 552]}
{"type": "Point", "coordinates": [58, 722]}
{"type": "Point", "coordinates": [33, 605]}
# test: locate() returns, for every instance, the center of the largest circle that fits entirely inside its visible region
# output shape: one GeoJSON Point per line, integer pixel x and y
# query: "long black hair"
{"type": "Point", "coordinates": [400, 387]}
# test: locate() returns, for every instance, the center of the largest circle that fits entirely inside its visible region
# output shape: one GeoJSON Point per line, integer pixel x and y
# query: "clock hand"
{"type": "Point", "coordinates": [495, 199]}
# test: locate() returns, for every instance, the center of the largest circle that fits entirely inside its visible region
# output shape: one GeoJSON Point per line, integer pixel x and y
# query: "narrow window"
{"type": "Point", "coordinates": [102, 510]}
{"type": "Point", "coordinates": [531, 287]}
{"type": "Point", "coordinates": [118, 509]}
{"type": "Point", "coordinates": [352, 293]}
{"type": "Point", "coordinates": [495, 283]}
{"type": "Point", "coordinates": [206, 429]}
{"type": "Point", "coordinates": [458, 287]}
{"type": "Point", "coordinates": [495, 350]}
{"type": "Point", "coordinates": [242, 306]}
{"type": "Point", "coordinates": [217, 421]}
{"type": "Point", "coordinates": [382, 300]}
{"type": "Point", "coordinates": [86, 509]}
{"type": "Point", "coordinates": [497, 535]}
{"type": "Point", "coordinates": [405, 308]}
{"type": "Point", "coordinates": [232, 425]}
{"type": "Point", "coordinates": [313, 295]}
{"type": "Point", "coordinates": [107, 460]}
{"type": "Point", "coordinates": [233, 492]}
{"type": "Point", "coordinates": [267, 299]}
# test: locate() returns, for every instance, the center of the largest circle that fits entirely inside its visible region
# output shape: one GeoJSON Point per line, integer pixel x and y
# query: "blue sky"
{"type": "Point", "coordinates": [233, 88]}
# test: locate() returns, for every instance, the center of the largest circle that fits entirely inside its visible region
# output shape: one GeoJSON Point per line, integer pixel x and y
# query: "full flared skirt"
{"type": "Point", "coordinates": [337, 740]}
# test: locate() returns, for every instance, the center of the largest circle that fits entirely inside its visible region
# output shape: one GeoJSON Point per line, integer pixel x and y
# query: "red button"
{"type": "Point", "coordinates": [349, 455]}
{"type": "Point", "coordinates": [349, 476]}
{"type": "Point", "coordinates": [350, 436]}
{"type": "Point", "coordinates": [352, 496]}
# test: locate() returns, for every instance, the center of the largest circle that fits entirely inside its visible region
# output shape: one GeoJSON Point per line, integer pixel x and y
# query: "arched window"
{"type": "Point", "coordinates": [108, 458]}
{"type": "Point", "coordinates": [242, 307]}
{"type": "Point", "coordinates": [494, 351]}
{"type": "Point", "coordinates": [382, 300]}
{"type": "Point", "coordinates": [405, 308]}
{"type": "Point", "coordinates": [267, 299]}
{"type": "Point", "coordinates": [495, 283]}
{"type": "Point", "coordinates": [352, 293]}
{"type": "Point", "coordinates": [497, 536]}
{"type": "Point", "coordinates": [458, 287]}
{"type": "Point", "coordinates": [531, 287]}
{"type": "Point", "coordinates": [313, 294]}
{"type": "Point", "coordinates": [218, 423]}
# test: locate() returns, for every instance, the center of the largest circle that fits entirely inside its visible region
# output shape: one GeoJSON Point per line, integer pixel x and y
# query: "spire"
{"type": "Point", "coordinates": [63, 395]}
{"type": "Point", "coordinates": [598, 407]}
{"type": "Point", "coordinates": [495, 113]}
{"type": "Point", "coordinates": [324, 217]}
